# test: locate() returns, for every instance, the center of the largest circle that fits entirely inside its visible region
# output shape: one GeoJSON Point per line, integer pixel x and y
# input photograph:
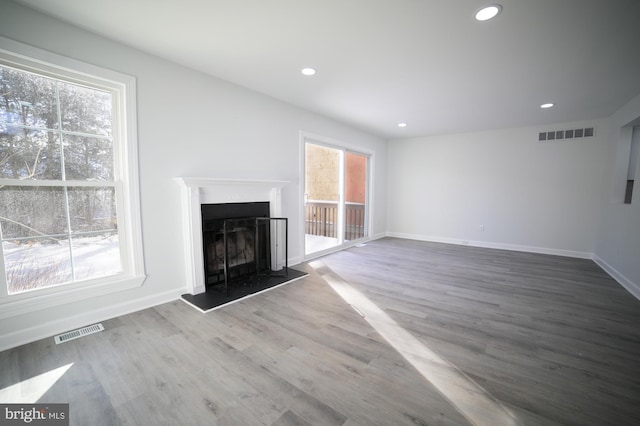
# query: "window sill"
{"type": "Point", "coordinates": [25, 303]}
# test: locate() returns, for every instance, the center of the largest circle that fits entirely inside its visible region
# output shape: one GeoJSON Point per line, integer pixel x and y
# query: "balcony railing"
{"type": "Point", "coordinates": [322, 219]}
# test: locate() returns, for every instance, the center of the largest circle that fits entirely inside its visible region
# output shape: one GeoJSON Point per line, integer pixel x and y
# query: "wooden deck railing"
{"type": "Point", "coordinates": [322, 219]}
{"type": "Point", "coordinates": [354, 221]}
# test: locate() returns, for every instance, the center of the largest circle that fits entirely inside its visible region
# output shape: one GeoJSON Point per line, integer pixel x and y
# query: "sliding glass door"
{"type": "Point", "coordinates": [335, 197]}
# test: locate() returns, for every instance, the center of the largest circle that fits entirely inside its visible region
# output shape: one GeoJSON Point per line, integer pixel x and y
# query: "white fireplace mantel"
{"type": "Point", "coordinates": [197, 191]}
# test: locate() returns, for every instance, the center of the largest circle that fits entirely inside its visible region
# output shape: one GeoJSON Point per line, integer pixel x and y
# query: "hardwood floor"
{"type": "Point", "coordinates": [549, 340]}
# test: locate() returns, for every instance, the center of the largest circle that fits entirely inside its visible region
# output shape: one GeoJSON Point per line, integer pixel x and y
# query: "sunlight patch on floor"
{"type": "Point", "coordinates": [31, 390]}
{"type": "Point", "coordinates": [471, 400]}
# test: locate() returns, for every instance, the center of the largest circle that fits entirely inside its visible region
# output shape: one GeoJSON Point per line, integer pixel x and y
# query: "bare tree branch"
{"type": "Point", "coordinates": [29, 228]}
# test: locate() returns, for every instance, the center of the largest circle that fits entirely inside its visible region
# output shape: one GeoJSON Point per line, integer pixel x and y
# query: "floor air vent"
{"type": "Point", "coordinates": [76, 334]}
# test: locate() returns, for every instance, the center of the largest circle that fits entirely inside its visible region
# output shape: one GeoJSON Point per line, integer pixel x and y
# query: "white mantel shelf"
{"type": "Point", "coordinates": [201, 182]}
{"type": "Point", "coordinates": [199, 190]}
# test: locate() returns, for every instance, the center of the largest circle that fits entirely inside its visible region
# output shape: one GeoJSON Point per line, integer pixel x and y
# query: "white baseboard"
{"type": "Point", "coordinates": [292, 261]}
{"type": "Point", "coordinates": [51, 328]}
{"type": "Point", "coordinates": [631, 287]}
{"type": "Point", "coordinates": [378, 236]}
{"type": "Point", "coordinates": [488, 244]}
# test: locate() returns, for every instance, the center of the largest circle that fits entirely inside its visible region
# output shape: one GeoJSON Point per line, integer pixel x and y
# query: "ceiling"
{"type": "Point", "coordinates": [380, 62]}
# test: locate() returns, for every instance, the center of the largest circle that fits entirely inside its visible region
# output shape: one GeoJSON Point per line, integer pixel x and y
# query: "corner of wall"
{"type": "Point", "coordinates": [618, 241]}
{"type": "Point", "coordinates": [630, 286]}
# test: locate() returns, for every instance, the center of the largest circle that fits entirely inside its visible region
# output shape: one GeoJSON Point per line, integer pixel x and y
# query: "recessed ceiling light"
{"type": "Point", "coordinates": [308, 71]}
{"type": "Point", "coordinates": [402, 124]}
{"type": "Point", "coordinates": [547, 105]}
{"type": "Point", "coordinates": [488, 12]}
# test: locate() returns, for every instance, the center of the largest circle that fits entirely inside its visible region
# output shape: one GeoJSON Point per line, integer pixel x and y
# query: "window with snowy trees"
{"type": "Point", "coordinates": [65, 190]}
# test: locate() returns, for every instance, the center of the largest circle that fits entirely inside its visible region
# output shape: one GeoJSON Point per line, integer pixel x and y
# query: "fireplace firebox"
{"type": "Point", "coordinates": [241, 243]}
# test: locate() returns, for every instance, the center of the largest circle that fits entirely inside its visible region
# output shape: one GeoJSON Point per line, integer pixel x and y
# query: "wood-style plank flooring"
{"type": "Point", "coordinates": [550, 340]}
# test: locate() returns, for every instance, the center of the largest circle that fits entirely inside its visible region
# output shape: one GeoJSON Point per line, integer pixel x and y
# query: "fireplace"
{"type": "Point", "coordinates": [236, 245]}
{"type": "Point", "coordinates": [235, 194]}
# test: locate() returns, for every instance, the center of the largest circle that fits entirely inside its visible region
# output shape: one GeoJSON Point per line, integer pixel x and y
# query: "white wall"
{"type": "Point", "coordinates": [189, 124]}
{"type": "Point", "coordinates": [618, 246]}
{"type": "Point", "coordinates": [528, 195]}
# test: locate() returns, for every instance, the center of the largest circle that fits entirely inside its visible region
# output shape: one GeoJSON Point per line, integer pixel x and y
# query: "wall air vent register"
{"type": "Point", "coordinates": [555, 135]}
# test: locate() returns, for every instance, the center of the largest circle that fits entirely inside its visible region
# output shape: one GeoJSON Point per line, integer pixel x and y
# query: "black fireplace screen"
{"type": "Point", "coordinates": [243, 245]}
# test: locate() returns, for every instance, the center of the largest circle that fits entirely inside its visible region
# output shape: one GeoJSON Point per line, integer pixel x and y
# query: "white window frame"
{"type": "Point", "coordinates": [125, 149]}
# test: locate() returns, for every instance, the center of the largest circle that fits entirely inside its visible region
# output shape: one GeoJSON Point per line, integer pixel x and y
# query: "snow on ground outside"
{"type": "Point", "coordinates": [37, 264]}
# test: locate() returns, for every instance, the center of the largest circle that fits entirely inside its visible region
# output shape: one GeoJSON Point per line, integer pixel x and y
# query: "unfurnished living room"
{"type": "Point", "coordinates": [360, 212]}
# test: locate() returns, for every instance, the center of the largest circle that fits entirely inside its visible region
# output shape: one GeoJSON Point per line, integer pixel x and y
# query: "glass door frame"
{"type": "Point", "coordinates": [345, 148]}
